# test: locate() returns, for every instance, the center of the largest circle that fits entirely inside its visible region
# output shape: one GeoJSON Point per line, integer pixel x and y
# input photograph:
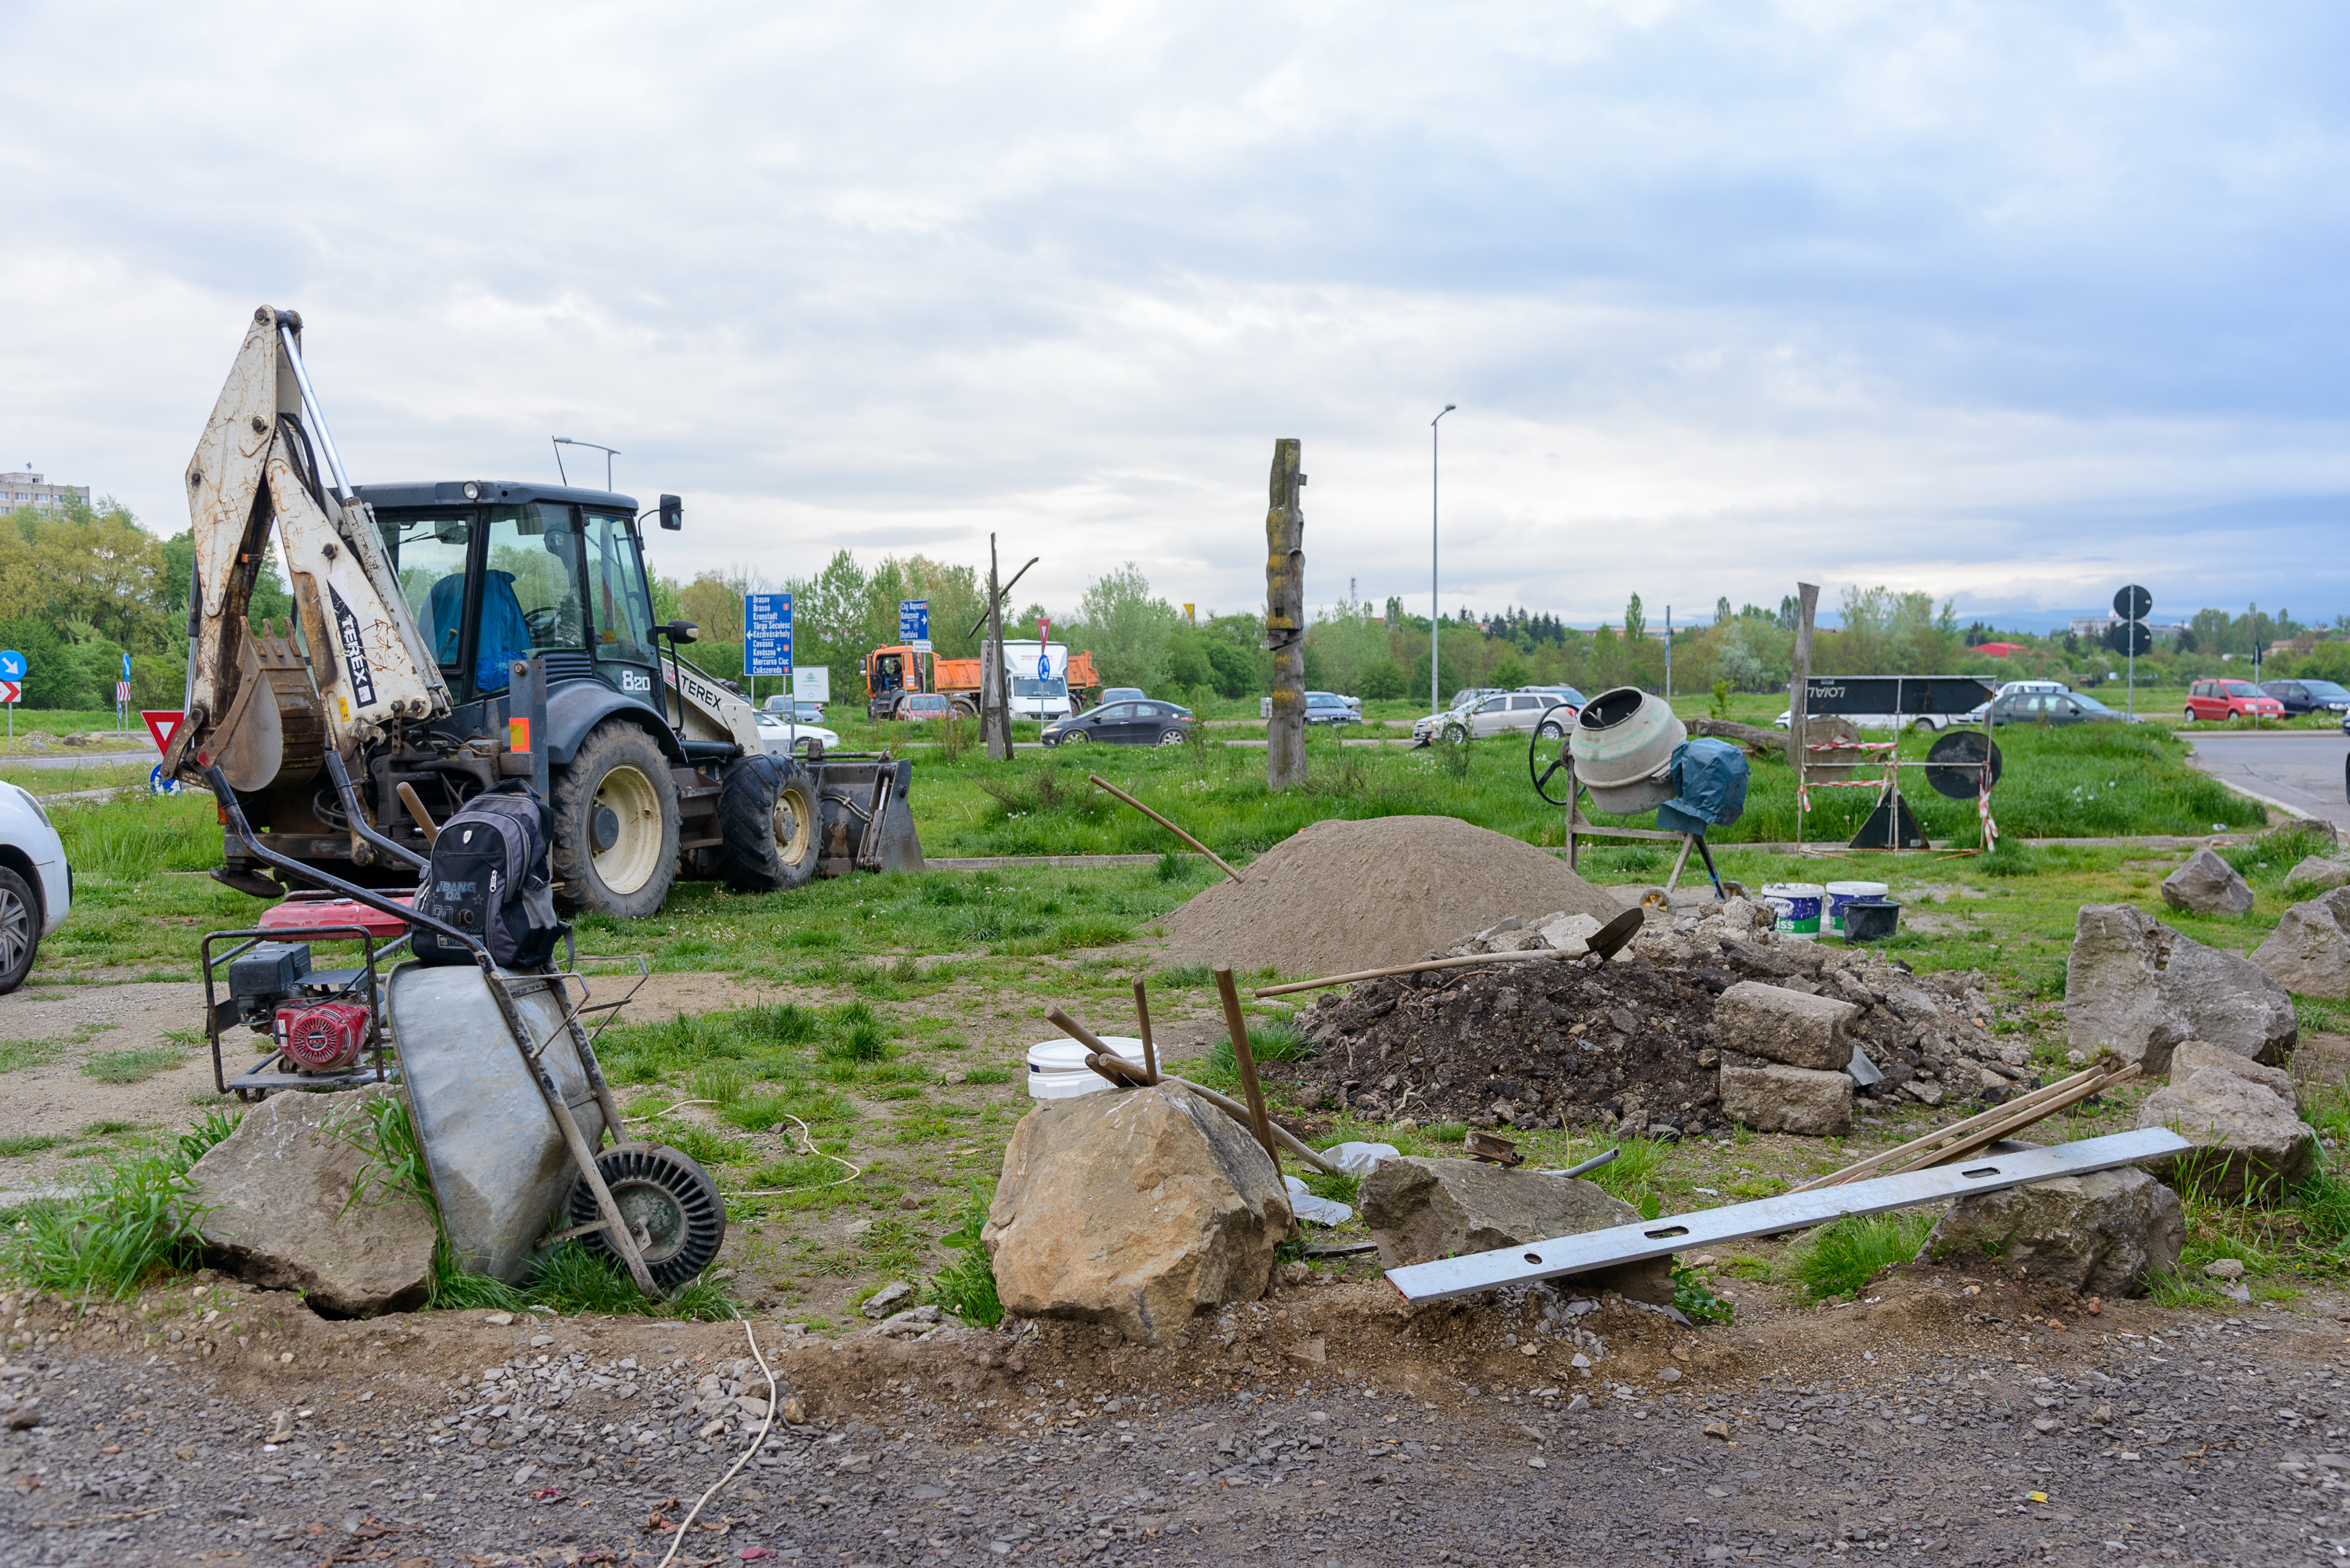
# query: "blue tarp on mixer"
{"type": "Point", "coordinates": [1709, 780]}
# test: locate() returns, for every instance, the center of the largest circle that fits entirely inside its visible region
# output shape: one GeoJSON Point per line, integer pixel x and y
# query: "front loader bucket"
{"type": "Point", "coordinates": [864, 823]}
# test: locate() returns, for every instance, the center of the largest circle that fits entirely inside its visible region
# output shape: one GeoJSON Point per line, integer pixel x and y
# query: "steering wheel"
{"type": "Point", "coordinates": [1542, 776]}
{"type": "Point", "coordinates": [541, 624]}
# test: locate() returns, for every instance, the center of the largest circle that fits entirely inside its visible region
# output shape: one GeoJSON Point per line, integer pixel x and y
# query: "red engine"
{"type": "Point", "coordinates": [320, 1036]}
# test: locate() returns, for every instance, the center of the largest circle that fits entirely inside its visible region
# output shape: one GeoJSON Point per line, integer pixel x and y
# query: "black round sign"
{"type": "Point", "coordinates": [2132, 603]}
{"type": "Point", "coordinates": [1956, 765]}
{"type": "Point", "coordinates": [2131, 636]}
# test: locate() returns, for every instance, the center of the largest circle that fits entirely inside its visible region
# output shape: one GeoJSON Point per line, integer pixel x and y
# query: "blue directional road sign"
{"type": "Point", "coordinates": [766, 634]}
{"type": "Point", "coordinates": [12, 665]}
{"type": "Point", "coordinates": [914, 620]}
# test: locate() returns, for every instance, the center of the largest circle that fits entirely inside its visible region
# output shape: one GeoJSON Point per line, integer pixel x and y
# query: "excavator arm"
{"type": "Point", "coordinates": [265, 707]}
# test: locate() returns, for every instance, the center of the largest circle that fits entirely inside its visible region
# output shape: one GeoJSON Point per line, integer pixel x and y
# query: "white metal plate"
{"type": "Point", "coordinates": [1790, 1212]}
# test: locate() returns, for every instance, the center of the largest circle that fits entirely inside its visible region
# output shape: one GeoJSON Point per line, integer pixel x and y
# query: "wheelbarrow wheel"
{"type": "Point", "coordinates": [670, 1202]}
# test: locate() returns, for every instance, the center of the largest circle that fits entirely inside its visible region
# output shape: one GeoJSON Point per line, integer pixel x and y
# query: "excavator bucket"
{"type": "Point", "coordinates": [864, 823]}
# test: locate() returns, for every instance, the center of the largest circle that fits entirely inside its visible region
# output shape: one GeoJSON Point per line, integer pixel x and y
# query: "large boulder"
{"type": "Point", "coordinates": [2309, 952]}
{"type": "Point", "coordinates": [1137, 1208]}
{"type": "Point", "coordinates": [2207, 885]}
{"type": "Point", "coordinates": [1422, 1209]}
{"type": "Point", "coordinates": [1786, 1026]}
{"type": "Point", "coordinates": [2243, 1119]}
{"type": "Point", "coordinates": [1771, 1096]}
{"type": "Point", "coordinates": [2103, 1235]}
{"type": "Point", "coordinates": [2319, 872]}
{"type": "Point", "coordinates": [2136, 986]}
{"type": "Point", "coordinates": [289, 1202]}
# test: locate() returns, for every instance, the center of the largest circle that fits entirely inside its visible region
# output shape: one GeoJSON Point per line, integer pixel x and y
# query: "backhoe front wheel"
{"type": "Point", "coordinates": [616, 825]}
{"type": "Point", "coordinates": [767, 815]}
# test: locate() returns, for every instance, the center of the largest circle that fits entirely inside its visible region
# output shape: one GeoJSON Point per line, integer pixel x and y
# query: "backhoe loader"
{"type": "Point", "coordinates": [452, 634]}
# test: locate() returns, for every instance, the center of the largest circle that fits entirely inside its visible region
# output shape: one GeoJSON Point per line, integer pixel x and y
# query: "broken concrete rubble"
{"type": "Point", "coordinates": [2105, 1235]}
{"type": "Point", "coordinates": [2207, 885]}
{"type": "Point", "coordinates": [1135, 1209]}
{"type": "Point", "coordinates": [287, 1204]}
{"type": "Point", "coordinates": [2244, 1119]}
{"type": "Point", "coordinates": [1786, 1026]}
{"type": "Point", "coordinates": [1769, 1097]}
{"type": "Point", "coordinates": [1423, 1209]}
{"type": "Point", "coordinates": [2136, 986]}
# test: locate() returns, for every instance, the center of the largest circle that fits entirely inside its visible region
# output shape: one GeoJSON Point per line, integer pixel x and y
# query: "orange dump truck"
{"type": "Point", "coordinates": [1066, 684]}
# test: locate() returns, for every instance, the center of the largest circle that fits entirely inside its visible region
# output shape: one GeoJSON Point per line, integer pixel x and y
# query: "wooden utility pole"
{"type": "Point", "coordinates": [1799, 684]}
{"type": "Point", "coordinates": [1284, 618]}
{"type": "Point", "coordinates": [994, 675]}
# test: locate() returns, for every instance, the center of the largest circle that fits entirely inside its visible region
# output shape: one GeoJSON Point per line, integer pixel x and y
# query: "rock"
{"type": "Point", "coordinates": [1786, 1026]}
{"type": "Point", "coordinates": [2207, 885]}
{"type": "Point", "coordinates": [278, 1195]}
{"type": "Point", "coordinates": [1569, 933]}
{"type": "Point", "coordinates": [1419, 1209]}
{"type": "Point", "coordinates": [2242, 1116]}
{"type": "Point", "coordinates": [2309, 951]}
{"type": "Point", "coordinates": [1912, 1004]}
{"type": "Point", "coordinates": [1771, 1097]}
{"type": "Point", "coordinates": [1137, 1209]}
{"type": "Point", "coordinates": [2225, 1269]}
{"type": "Point", "coordinates": [2107, 1233]}
{"type": "Point", "coordinates": [2136, 986]}
{"type": "Point", "coordinates": [2321, 1062]}
{"type": "Point", "coordinates": [888, 1299]}
{"type": "Point", "coordinates": [2316, 871]}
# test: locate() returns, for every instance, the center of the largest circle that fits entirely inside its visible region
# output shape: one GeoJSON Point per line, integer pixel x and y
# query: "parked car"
{"type": "Point", "coordinates": [1329, 708]}
{"type": "Point", "coordinates": [2219, 700]}
{"type": "Point", "coordinates": [36, 883]}
{"type": "Point", "coordinates": [1525, 713]}
{"type": "Point", "coordinates": [781, 737]}
{"type": "Point", "coordinates": [2308, 696]}
{"type": "Point", "coordinates": [1122, 695]}
{"type": "Point", "coordinates": [1469, 696]}
{"type": "Point", "coordinates": [1980, 710]}
{"type": "Point", "coordinates": [1143, 723]}
{"type": "Point", "coordinates": [1565, 695]}
{"type": "Point", "coordinates": [2051, 708]}
{"type": "Point", "coordinates": [923, 707]}
{"type": "Point", "coordinates": [807, 712]}
{"type": "Point", "coordinates": [1895, 721]}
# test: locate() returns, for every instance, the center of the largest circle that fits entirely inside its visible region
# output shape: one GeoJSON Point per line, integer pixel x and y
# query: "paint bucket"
{"type": "Point", "coordinates": [1057, 1070]}
{"type": "Point", "coordinates": [1843, 893]}
{"type": "Point", "coordinates": [1868, 919]}
{"type": "Point", "coordinates": [1796, 905]}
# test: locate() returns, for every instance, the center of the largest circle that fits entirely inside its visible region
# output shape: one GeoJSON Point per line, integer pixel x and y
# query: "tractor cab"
{"type": "Point", "coordinates": [495, 571]}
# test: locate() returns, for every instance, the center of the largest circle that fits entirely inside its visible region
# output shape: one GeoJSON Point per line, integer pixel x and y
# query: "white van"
{"type": "Point", "coordinates": [1040, 679]}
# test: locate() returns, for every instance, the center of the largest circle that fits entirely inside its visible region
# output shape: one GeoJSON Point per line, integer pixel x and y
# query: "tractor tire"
{"type": "Point", "coordinates": [767, 815]}
{"type": "Point", "coordinates": [667, 1196]}
{"type": "Point", "coordinates": [616, 825]}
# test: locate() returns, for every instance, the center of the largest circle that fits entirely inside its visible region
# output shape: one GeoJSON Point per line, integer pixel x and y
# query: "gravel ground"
{"type": "Point", "coordinates": [1327, 1425]}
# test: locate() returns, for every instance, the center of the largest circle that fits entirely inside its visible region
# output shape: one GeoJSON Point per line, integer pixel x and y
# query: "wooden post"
{"type": "Point", "coordinates": [995, 682]}
{"type": "Point", "coordinates": [1259, 1122]}
{"type": "Point", "coordinates": [1284, 618]}
{"type": "Point", "coordinates": [1142, 1027]}
{"type": "Point", "coordinates": [1807, 601]}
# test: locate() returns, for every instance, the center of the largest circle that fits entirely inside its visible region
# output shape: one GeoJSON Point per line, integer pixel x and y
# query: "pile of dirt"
{"type": "Point", "coordinates": [1533, 1044]}
{"type": "Point", "coordinates": [1339, 896]}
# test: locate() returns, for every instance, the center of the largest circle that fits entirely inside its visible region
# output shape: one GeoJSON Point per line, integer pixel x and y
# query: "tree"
{"type": "Point", "coordinates": [1126, 629]}
{"type": "Point", "coordinates": [1636, 625]}
{"type": "Point", "coordinates": [1721, 609]}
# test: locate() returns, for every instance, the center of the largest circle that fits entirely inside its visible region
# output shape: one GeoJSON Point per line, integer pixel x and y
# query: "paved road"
{"type": "Point", "coordinates": [2302, 769]}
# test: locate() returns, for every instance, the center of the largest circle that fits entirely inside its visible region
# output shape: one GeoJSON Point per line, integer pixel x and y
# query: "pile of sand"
{"type": "Point", "coordinates": [1341, 896]}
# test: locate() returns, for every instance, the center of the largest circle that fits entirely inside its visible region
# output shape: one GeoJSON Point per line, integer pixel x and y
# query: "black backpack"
{"type": "Point", "coordinates": [489, 879]}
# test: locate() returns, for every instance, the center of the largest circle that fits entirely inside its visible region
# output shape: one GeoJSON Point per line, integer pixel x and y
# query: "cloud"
{"type": "Point", "coordinates": [2003, 304]}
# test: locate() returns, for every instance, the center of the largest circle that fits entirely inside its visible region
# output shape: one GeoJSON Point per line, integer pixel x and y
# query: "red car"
{"type": "Point", "coordinates": [2219, 700]}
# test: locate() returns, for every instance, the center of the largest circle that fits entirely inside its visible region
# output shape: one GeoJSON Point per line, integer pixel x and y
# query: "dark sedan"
{"type": "Point", "coordinates": [2052, 708]}
{"type": "Point", "coordinates": [1144, 723]}
{"type": "Point", "coordinates": [2308, 696]}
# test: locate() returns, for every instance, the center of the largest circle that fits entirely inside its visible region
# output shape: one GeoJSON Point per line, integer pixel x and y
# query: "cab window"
{"type": "Point", "coordinates": [531, 597]}
{"type": "Point", "coordinates": [428, 555]}
{"type": "Point", "coordinates": [623, 620]}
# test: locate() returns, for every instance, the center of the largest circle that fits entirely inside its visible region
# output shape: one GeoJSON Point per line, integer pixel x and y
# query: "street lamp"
{"type": "Point", "coordinates": [1433, 610]}
{"type": "Point", "coordinates": [562, 441]}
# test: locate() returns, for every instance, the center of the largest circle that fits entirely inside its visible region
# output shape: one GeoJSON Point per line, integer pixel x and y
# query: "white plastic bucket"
{"type": "Point", "coordinates": [1057, 1070]}
{"type": "Point", "coordinates": [1842, 893]}
{"type": "Point", "coordinates": [1796, 905]}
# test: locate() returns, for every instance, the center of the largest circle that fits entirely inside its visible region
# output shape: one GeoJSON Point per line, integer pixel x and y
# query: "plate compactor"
{"type": "Point", "coordinates": [509, 1106]}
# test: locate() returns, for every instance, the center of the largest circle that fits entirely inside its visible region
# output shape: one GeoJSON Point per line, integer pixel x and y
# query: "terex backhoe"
{"type": "Point", "coordinates": [446, 635]}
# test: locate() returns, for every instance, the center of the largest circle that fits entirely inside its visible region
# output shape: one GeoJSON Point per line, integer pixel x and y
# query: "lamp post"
{"type": "Point", "coordinates": [562, 441]}
{"type": "Point", "coordinates": [1434, 611]}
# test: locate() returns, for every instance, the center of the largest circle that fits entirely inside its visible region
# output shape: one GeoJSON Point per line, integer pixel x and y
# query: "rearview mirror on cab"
{"type": "Point", "coordinates": [673, 513]}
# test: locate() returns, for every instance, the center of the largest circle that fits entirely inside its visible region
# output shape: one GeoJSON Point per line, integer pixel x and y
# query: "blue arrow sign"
{"type": "Point", "coordinates": [766, 634]}
{"type": "Point", "coordinates": [914, 620]}
{"type": "Point", "coordinates": [12, 665]}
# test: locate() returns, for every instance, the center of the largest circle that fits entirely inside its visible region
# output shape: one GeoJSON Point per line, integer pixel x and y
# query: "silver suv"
{"type": "Point", "coordinates": [1522, 712]}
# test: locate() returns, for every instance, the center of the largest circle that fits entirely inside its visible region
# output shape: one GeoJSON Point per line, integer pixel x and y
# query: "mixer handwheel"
{"type": "Point", "coordinates": [669, 1202]}
{"type": "Point", "coordinates": [1542, 776]}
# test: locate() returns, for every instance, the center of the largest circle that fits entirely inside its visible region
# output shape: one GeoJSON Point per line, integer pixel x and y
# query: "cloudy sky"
{"type": "Point", "coordinates": [2012, 303]}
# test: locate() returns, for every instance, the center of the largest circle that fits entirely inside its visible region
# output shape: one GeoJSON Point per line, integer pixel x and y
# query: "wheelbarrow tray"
{"type": "Point", "coordinates": [499, 1164]}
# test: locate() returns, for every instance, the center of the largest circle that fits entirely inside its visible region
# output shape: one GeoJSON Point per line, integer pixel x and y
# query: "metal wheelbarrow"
{"type": "Point", "coordinates": [498, 1175]}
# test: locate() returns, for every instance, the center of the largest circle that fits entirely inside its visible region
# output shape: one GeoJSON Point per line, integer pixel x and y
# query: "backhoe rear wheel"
{"type": "Point", "coordinates": [767, 815]}
{"type": "Point", "coordinates": [616, 825]}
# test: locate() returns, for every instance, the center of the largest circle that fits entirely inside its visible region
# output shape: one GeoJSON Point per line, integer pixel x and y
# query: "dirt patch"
{"type": "Point", "coordinates": [1340, 896]}
{"type": "Point", "coordinates": [1536, 1044]}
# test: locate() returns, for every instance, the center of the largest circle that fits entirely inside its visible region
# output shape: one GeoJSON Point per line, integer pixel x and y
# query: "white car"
{"type": "Point", "coordinates": [1928, 722]}
{"type": "Point", "coordinates": [783, 739]}
{"type": "Point", "coordinates": [36, 883]}
{"type": "Point", "coordinates": [1522, 712]}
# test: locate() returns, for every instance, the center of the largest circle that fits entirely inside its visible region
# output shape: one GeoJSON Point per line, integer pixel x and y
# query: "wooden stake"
{"type": "Point", "coordinates": [1964, 1138]}
{"type": "Point", "coordinates": [1142, 1026]}
{"type": "Point", "coordinates": [1259, 1122]}
{"type": "Point", "coordinates": [1100, 783]}
{"type": "Point", "coordinates": [1469, 962]}
{"type": "Point", "coordinates": [1123, 1072]}
{"type": "Point", "coordinates": [424, 822]}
